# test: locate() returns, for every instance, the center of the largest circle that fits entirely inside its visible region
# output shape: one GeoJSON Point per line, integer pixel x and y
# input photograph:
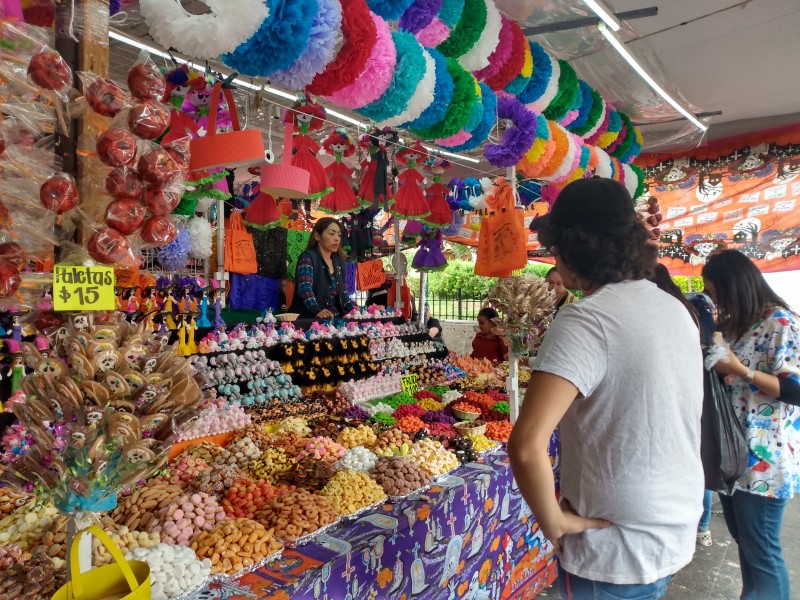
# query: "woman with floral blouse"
{"type": "Point", "coordinates": [763, 370]}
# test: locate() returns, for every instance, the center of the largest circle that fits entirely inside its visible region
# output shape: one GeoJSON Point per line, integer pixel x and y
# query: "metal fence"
{"type": "Point", "coordinates": [453, 307]}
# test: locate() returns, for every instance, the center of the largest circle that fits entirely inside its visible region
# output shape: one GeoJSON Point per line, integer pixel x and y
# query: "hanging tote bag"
{"type": "Point", "coordinates": [121, 580]}
{"type": "Point", "coordinates": [240, 252]}
{"type": "Point", "coordinates": [233, 149]}
{"type": "Point", "coordinates": [506, 233]}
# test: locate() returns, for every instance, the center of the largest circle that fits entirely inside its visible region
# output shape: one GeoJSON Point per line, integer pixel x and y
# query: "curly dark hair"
{"type": "Point", "coordinates": [601, 258]}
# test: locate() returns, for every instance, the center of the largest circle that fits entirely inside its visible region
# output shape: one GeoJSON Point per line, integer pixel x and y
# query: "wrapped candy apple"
{"type": "Point", "coordinates": [124, 183]}
{"type": "Point", "coordinates": [145, 81]}
{"type": "Point", "coordinates": [162, 201]}
{"type": "Point", "coordinates": [109, 247]}
{"type": "Point", "coordinates": [158, 231]}
{"type": "Point", "coordinates": [48, 70]}
{"type": "Point", "coordinates": [104, 96]}
{"type": "Point", "coordinates": [148, 119]}
{"type": "Point", "coordinates": [158, 168]}
{"type": "Point", "coordinates": [116, 147]}
{"type": "Point", "coordinates": [126, 215]}
{"type": "Point", "coordinates": [9, 278]}
{"type": "Point", "coordinates": [14, 253]}
{"type": "Point", "coordinates": [59, 193]}
{"type": "Point", "coordinates": [179, 151]}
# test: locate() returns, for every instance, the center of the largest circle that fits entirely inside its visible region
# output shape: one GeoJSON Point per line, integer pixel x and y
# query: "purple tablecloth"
{"type": "Point", "coordinates": [470, 537]}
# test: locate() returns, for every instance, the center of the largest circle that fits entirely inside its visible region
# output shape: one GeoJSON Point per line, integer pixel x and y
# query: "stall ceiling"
{"type": "Point", "coordinates": [733, 56]}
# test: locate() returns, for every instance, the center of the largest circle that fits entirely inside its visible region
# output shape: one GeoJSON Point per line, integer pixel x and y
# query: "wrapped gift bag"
{"type": "Point", "coordinates": [240, 252]}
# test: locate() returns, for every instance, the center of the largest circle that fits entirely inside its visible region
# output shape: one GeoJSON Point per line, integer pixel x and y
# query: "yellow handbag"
{"type": "Point", "coordinates": [121, 580]}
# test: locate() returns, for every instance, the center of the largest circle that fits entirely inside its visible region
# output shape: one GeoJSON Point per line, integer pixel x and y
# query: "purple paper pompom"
{"type": "Point", "coordinates": [419, 15]}
{"type": "Point", "coordinates": [173, 256]}
{"type": "Point", "coordinates": [518, 138]}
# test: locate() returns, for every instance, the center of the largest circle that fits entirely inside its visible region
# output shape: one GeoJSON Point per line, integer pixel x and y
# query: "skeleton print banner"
{"type": "Point", "coordinates": [748, 200]}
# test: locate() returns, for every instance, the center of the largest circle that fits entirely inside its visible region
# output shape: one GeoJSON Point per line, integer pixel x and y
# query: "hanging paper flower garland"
{"type": "Point", "coordinates": [520, 82]}
{"type": "Point", "coordinates": [603, 168]}
{"type": "Point", "coordinates": [583, 164]}
{"type": "Point", "coordinates": [474, 120]}
{"type": "Point", "coordinates": [423, 95]}
{"type": "Point", "coordinates": [515, 62]}
{"type": "Point", "coordinates": [612, 131]}
{"type": "Point", "coordinates": [468, 30]}
{"type": "Point", "coordinates": [434, 34]}
{"type": "Point", "coordinates": [540, 76]}
{"type": "Point", "coordinates": [389, 9]}
{"type": "Point", "coordinates": [561, 141]}
{"type": "Point", "coordinates": [594, 134]}
{"type": "Point", "coordinates": [636, 146]}
{"type": "Point", "coordinates": [640, 184]}
{"type": "Point", "coordinates": [571, 160]}
{"type": "Point", "coordinates": [360, 35]}
{"type": "Point", "coordinates": [481, 131]}
{"type": "Point", "coordinates": [203, 36]}
{"type": "Point", "coordinates": [409, 72]}
{"type": "Point", "coordinates": [631, 181]}
{"type": "Point", "coordinates": [624, 146]}
{"type": "Point", "coordinates": [450, 12]}
{"type": "Point", "coordinates": [586, 104]}
{"type": "Point", "coordinates": [460, 108]}
{"type": "Point", "coordinates": [501, 53]}
{"type": "Point", "coordinates": [536, 151]}
{"type": "Point", "coordinates": [419, 15]}
{"type": "Point", "coordinates": [518, 138]}
{"type": "Point", "coordinates": [477, 57]}
{"type": "Point", "coordinates": [442, 95]}
{"type": "Point", "coordinates": [279, 40]}
{"type": "Point", "coordinates": [575, 110]}
{"type": "Point", "coordinates": [551, 89]}
{"type": "Point", "coordinates": [567, 90]}
{"type": "Point", "coordinates": [623, 131]}
{"type": "Point", "coordinates": [318, 52]}
{"type": "Point", "coordinates": [377, 75]}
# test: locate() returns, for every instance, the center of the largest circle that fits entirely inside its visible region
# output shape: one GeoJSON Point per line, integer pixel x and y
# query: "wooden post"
{"type": "Point", "coordinates": [93, 57]}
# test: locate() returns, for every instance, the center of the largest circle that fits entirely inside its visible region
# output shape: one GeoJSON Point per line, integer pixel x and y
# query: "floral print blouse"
{"type": "Point", "coordinates": [772, 428]}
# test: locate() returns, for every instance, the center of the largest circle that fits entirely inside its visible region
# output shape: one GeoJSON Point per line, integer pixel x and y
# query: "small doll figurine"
{"type": "Point", "coordinates": [374, 185]}
{"type": "Point", "coordinates": [42, 344]}
{"type": "Point", "coordinates": [16, 370]}
{"type": "Point", "coordinates": [409, 201]}
{"type": "Point", "coordinates": [437, 194]}
{"type": "Point", "coordinates": [217, 297]}
{"type": "Point", "coordinates": [190, 324]}
{"type": "Point", "coordinates": [129, 302]}
{"type": "Point", "coordinates": [150, 299]}
{"type": "Point", "coordinates": [306, 116]}
{"type": "Point", "coordinates": [16, 328]}
{"type": "Point", "coordinates": [183, 331]}
{"type": "Point", "coordinates": [343, 199]}
{"type": "Point", "coordinates": [170, 307]}
{"type": "Point", "coordinates": [203, 321]}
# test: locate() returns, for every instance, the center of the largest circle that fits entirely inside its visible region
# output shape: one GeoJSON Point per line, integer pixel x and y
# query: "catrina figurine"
{"type": "Point", "coordinates": [203, 322]}
{"type": "Point", "coordinates": [409, 201]}
{"type": "Point", "coordinates": [343, 199]}
{"type": "Point", "coordinates": [16, 370]}
{"type": "Point", "coordinates": [306, 116]}
{"type": "Point", "coordinates": [373, 188]}
{"type": "Point", "coordinates": [217, 297]}
{"type": "Point", "coordinates": [440, 216]}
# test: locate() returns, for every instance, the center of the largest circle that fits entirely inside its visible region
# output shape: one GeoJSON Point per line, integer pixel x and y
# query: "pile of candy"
{"type": "Point", "coordinates": [174, 570]}
{"type": "Point", "coordinates": [296, 514]}
{"type": "Point", "coordinates": [350, 491]}
{"type": "Point", "coordinates": [234, 544]}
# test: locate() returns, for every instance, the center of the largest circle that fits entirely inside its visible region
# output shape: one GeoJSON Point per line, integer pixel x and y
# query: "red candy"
{"type": "Point", "coordinates": [116, 147]}
{"type": "Point", "coordinates": [5, 216]}
{"type": "Point", "coordinates": [161, 201]}
{"type": "Point", "coordinates": [148, 119]}
{"type": "Point", "coordinates": [13, 253]}
{"type": "Point", "coordinates": [105, 97]}
{"type": "Point", "coordinates": [109, 247]}
{"type": "Point", "coordinates": [124, 183]}
{"type": "Point", "coordinates": [146, 82]}
{"type": "Point", "coordinates": [48, 70]}
{"type": "Point", "coordinates": [9, 278]}
{"type": "Point", "coordinates": [59, 193]}
{"type": "Point", "coordinates": [125, 215]}
{"type": "Point", "coordinates": [158, 168]}
{"type": "Point", "coordinates": [179, 151]}
{"type": "Point", "coordinates": [159, 231]}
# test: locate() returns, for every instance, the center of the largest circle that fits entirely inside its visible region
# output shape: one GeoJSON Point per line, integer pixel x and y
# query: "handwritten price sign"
{"type": "Point", "coordinates": [409, 383]}
{"type": "Point", "coordinates": [83, 288]}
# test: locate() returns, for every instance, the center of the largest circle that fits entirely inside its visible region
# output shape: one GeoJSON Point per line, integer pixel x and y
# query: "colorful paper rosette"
{"type": "Point", "coordinates": [544, 80]}
{"type": "Point", "coordinates": [423, 96]}
{"type": "Point", "coordinates": [319, 50]}
{"type": "Point", "coordinates": [460, 108]}
{"type": "Point", "coordinates": [477, 57]}
{"type": "Point", "coordinates": [488, 107]}
{"type": "Point", "coordinates": [502, 51]}
{"type": "Point", "coordinates": [518, 138]}
{"type": "Point", "coordinates": [606, 139]}
{"type": "Point", "coordinates": [516, 60]}
{"type": "Point", "coordinates": [467, 32]}
{"type": "Point", "coordinates": [389, 9]}
{"type": "Point", "coordinates": [520, 82]}
{"type": "Point", "coordinates": [419, 15]}
{"type": "Point", "coordinates": [567, 90]}
{"type": "Point", "coordinates": [442, 95]}
{"type": "Point", "coordinates": [278, 42]}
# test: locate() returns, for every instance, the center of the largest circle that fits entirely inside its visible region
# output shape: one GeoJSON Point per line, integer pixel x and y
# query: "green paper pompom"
{"type": "Point", "coordinates": [460, 109]}
{"type": "Point", "coordinates": [567, 91]}
{"type": "Point", "coordinates": [468, 30]}
{"type": "Point", "coordinates": [594, 114]}
{"type": "Point", "coordinates": [640, 186]}
{"type": "Point", "coordinates": [630, 134]}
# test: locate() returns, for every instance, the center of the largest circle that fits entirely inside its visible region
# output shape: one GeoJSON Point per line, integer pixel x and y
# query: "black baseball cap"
{"type": "Point", "coordinates": [594, 204]}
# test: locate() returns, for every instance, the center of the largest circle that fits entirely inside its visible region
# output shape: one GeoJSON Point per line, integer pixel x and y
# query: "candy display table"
{"type": "Point", "coordinates": [470, 537]}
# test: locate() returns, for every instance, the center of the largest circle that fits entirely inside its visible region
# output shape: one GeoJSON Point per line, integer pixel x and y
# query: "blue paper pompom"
{"type": "Point", "coordinates": [542, 72]}
{"type": "Point", "coordinates": [481, 132]}
{"type": "Point", "coordinates": [173, 256]}
{"type": "Point", "coordinates": [450, 13]}
{"type": "Point", "coordinates": [319, 51]}
{"type": "Point", "coordinates": [390, 10]}
{"type": "Point", "coordinates": [279, 41]}
{"type": "Point", "coordinates": [409, 72]}
{"type": "Point", "coordinates": [442, 95]}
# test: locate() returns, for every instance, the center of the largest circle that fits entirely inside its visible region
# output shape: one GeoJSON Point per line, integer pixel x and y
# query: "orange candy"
{"type": "Point", "coordinates": [410, 424]}
{"type": "Point", "coordinates": [498, 430]}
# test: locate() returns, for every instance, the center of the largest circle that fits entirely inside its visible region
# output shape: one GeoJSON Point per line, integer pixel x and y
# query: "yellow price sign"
{"type": "Point", "coordinates": [409, 383]}
{"type": "Point", "coordinates": [83, 288]}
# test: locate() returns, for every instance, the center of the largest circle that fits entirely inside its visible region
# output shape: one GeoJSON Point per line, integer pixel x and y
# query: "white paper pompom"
{"type": "Point", "coordinates": [229, 24]}
{"type": "Point", "coordinates": [477, 57]}
{"type": "Point", "coordinates": [603, 168]}
{"type": "Point", "coordinates": [200, 232]}
{"type": "Point", "coordinates": [631, 179]}
{"type": "Point", "coordinates": [422, 98]}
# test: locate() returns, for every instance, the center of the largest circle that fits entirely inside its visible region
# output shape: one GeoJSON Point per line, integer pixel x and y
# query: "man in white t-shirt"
{"type": "Point", "coordinates": [620, 374]}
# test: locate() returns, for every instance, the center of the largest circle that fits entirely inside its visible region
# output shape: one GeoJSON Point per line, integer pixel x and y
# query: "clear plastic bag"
{"type": "Point", "coordinates": [145, 80]}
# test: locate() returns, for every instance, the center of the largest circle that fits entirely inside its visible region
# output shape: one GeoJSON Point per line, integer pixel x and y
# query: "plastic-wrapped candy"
{"type": "Point", "coordinates": [124, 183]}
{"type": "Point", "coordinates": [162, 201]}
{"type": "Point", "coordinates": [9, 278]}
{"type": "Point", "coordinates": [125, 215]}
{"type": "Point", "coordinates": [158, 231]}
{"type": "Point", "coordinates": [148, 119]}
{"type": "Point", "coordinates": [179, 150]}
{"type": "Point", "coordinates": [158, 168]}
{"type": "Point", "coordinates": [59, 193]}
{"type": "Point", "coordinates": [109, 247]}
{"type": "Point", "coordinates": [145, 81]}
{"type": "Point", "coordinates": [116, 147]}
{"type": "Point", "coordinates": [49, 70]}
{"type": "Point", "coordinates": [13, 253]}
{"type": "Point", "coordinates": [105, 97]}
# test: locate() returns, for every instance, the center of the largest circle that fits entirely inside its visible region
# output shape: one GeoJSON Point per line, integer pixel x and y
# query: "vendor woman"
{"type": "Point", "coordinates": [320, 291]}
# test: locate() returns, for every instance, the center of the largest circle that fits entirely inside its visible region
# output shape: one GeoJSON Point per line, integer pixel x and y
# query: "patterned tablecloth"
{"type": "Point", "coordinates": [470, 537]}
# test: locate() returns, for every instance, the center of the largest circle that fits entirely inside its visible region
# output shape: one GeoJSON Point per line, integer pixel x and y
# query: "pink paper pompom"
{"type": "Point", "coordinates": [434, 34]}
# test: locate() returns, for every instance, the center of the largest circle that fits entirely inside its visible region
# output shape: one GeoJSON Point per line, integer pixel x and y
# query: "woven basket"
{"type": "Point", "coordinates": [463, 415]}
{"type": "Point", "coordinates": [471, 427]}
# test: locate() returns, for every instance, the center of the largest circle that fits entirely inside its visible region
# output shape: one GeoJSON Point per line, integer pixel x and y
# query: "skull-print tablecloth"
{"type": "Point", "coordinates": [469, 537]}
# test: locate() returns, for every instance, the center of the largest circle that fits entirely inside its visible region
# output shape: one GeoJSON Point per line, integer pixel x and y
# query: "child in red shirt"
{"type": "Point", "coordinates": [486, 344]}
